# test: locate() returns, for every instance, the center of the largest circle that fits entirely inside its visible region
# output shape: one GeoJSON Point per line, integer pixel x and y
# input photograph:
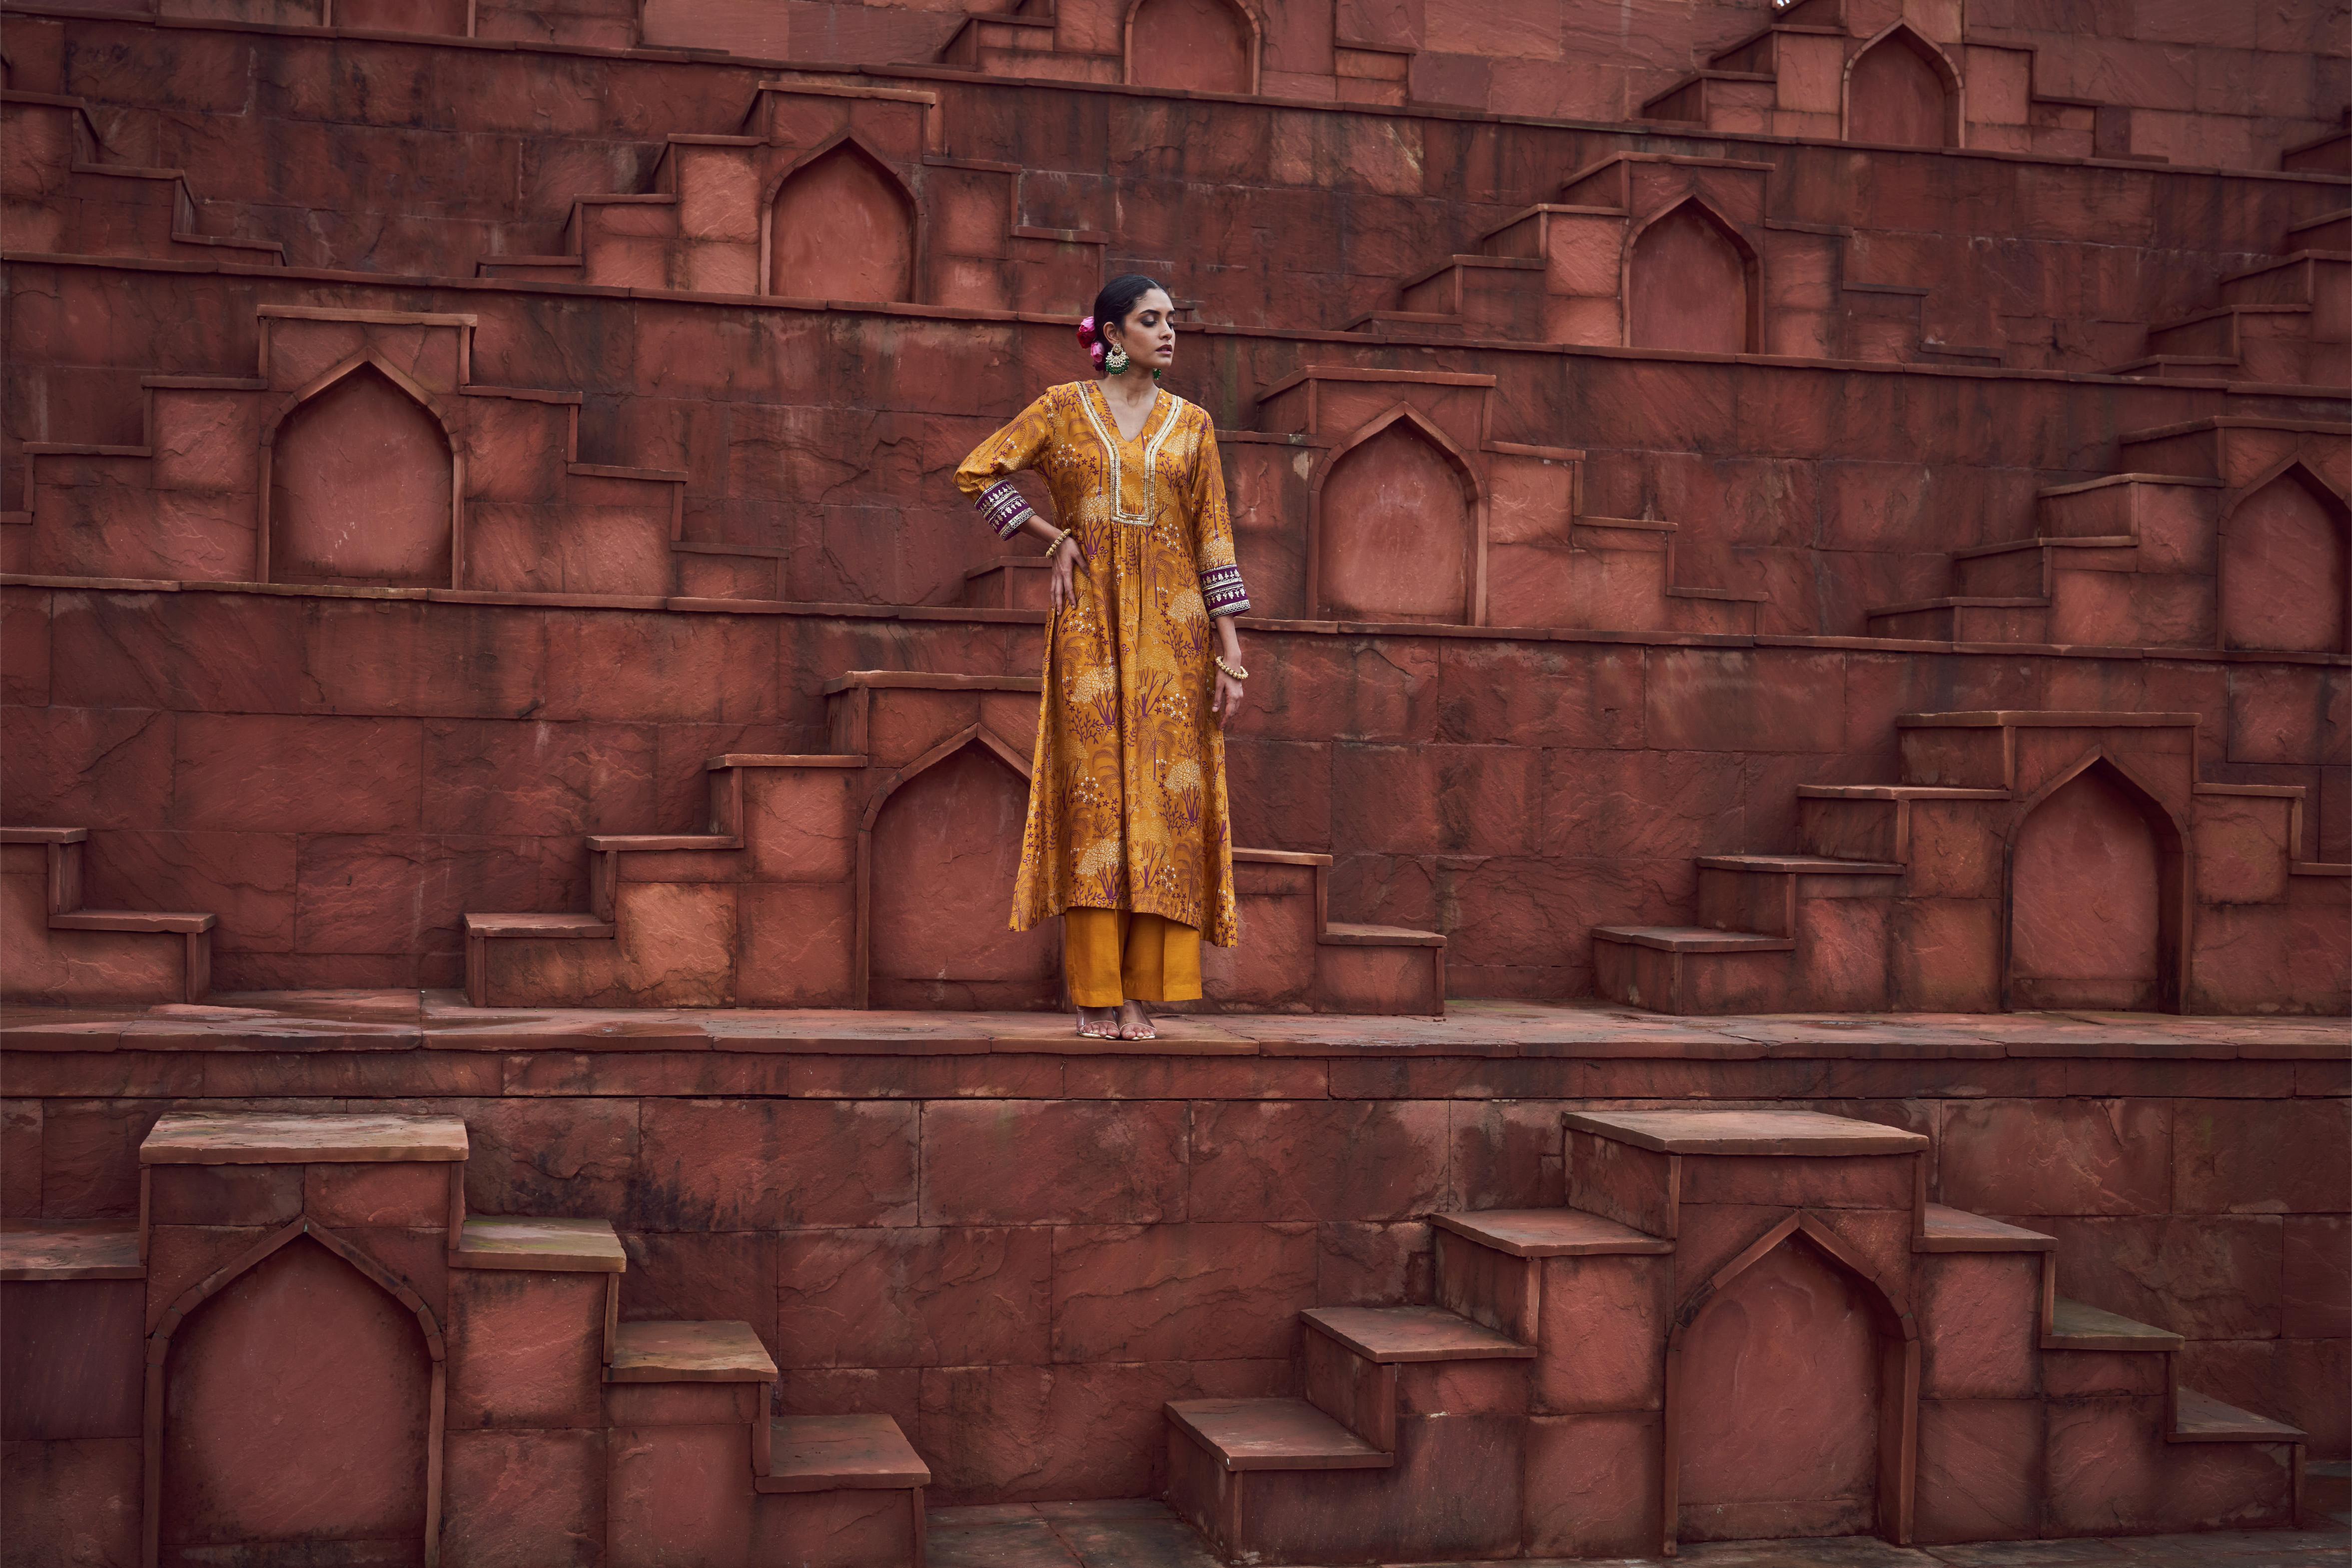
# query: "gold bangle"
{"type": "Point", "coordinates": [1219, 660]}
{"type": "Point", "coordinates": [1058, 542]}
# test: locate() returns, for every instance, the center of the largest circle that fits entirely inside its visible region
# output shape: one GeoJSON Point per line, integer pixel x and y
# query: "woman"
{"type": "Point", "coordinates": [1127, 838]}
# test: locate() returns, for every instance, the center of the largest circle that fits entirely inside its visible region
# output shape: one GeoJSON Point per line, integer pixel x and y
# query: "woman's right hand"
{"type": "Point", "coordinates": [1065, 571]}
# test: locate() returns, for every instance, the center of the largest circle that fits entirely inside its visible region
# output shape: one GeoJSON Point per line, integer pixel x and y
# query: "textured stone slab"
{"type": "Point", "coordinates": [1274, 1434]}
{"type": "Point", "coordinates": [553, 1245]}
{"type": "Point", "coordinates": [2078, 1326]}
{"type": "Point", "coordinates": [1947, 1229]}
{"type": "Point", "coordinates": [830, 1453]}
{"type": "Point", "coordinates": [2201, 1418]}
{"type": "Point", "coordinates": [97, 1250]}
{"type": "Point", "coordinates": [1806, 1132]}
{"type": "Point", "coordinates": [1415, 1333]}
{"type": "Point", "coordinates": [186, 1139]}
{"type": "Point", "coordinates": [1696, 939]}
{"type": "Point", "coordinates": [1550, 1232]}
{"type": "Point", "coordinates": [690, 1352]}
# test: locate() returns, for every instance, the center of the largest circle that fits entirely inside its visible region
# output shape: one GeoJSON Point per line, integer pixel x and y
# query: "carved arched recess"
{"type": "Point", "coordinates": [1693, 282]}
{"type": "Point", "coordinates": [1198, 46]}
{"type": "Point", "coordinates": [937, 850]}
{"type": "Point", "coordinates": [840, 224]}
{"type": "Point", "coordinates": [2096, 885]}
{"type": "Point", "coordinates": [295, 1400]}
{"type": "Point", "coordinates": [1397, 527]}
{"type": "Point", "coordinates": [360, 483]}
{"type": "Point", "coordinates": [2285, 564]}
{"type": "Point", "coordinates": [1793, 1369]}
{"type": "Point", "coordinates": [1902, 91]}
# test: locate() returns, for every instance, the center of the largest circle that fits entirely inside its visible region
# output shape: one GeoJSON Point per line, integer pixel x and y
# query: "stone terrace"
{"type": "Point", "coordinates": [1075, 1231]}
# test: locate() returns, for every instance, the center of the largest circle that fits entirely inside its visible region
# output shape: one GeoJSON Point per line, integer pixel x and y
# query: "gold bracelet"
{"type": "Point", "coordinates": [1219, 660]}
{"type": "Point", "coordinates": [1057, 543]}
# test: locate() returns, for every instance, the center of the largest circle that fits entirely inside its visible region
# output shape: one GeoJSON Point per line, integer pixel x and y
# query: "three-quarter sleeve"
{"type": "Point", "coordinates": [1212, 531]}
{"type": "Point", "coordinates": [982, 476]}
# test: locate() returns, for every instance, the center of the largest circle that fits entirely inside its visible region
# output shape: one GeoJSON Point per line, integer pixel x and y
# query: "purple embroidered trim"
{"type": "Point", "coordinates": [1221, 591]}
{"type": "Point", "coordinates": [1001, 507]}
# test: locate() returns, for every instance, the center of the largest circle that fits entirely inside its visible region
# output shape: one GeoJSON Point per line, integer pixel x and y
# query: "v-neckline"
{"type": "Point", "coordinates": [1150, 411]}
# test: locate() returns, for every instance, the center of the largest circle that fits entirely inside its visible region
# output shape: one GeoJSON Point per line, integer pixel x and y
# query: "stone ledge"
{"type": "Point", "coordinates": [410, 1021]}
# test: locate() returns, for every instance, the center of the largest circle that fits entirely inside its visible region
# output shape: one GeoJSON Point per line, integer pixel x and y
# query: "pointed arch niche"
{"type": "Point", "coordinates": [2286, 566]}
{"type": "Point", "coordinates": [361, 483]}
{"type": "Point", "coordinates": [1792, 1389]}
{"type": "Point", "coordinates": [841, 225]}
{"type": "Point", "coordinates": [936, 856]}
{"type": "Point", "coordinates": [1199, 46]}
{"type": "Point", "coordinates": [2097, 881]}
{"type": "Point", "coordinates": [294, 1403]}
{"type": "Point", "coordinates": [1397, 527]}
{"type": "Point", "coordinates": [1691, 279]}
{"type": "Point", "coordinates": [1902, 91]}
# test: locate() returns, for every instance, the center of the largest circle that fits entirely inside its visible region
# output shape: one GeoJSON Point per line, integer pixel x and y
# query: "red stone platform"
{"type": "Point", "coordinates": [733, 1278]}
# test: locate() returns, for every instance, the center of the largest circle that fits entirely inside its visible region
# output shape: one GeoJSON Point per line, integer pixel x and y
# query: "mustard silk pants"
{"type": "Point", "coordinates": [1110, 955]}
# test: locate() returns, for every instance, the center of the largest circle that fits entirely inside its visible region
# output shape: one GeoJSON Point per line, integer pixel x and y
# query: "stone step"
{"type": "Point", "coordinates": [548, 1246]}
{"type": "Point", "coordinates": [1343, 933]}
{"type": "Point", "coordinates": [1550, 1232]}
{"type": "Point", "coordinates": [1807, 1133]}
{"type": "Point", "coordinates": [541, 927]}
{"type": "Point", "coordinates": [1692, 939]}
{"type": "Point", "coordinates": [265, 1138]}
{"type": "Point", "coordinates": [688, 1351]}
{"type": "Point", "coordinates": [2325, 231]}
{"type": "Point", "coordinates": [1272, 1435]}
{"type": "Point", "coordinates": [1383, 1335]}
{"type": "Point", "coordinates": [655, 843]}
{"type": "Point", "coordinates": [840, 1453]}
{"type": "Point", "coordinates": [130, 920]}
{"type": "Point", "coordinates": [2201, 1418]}
{"type": "Point", "coordinates": [98, 1249]}
{"type": "Point", "coordinates": [44, 871]}
{"type": "Point", "coordinates": [2078, 1326]}
{"type": "Point", "coordinates": [1943, 1228]}
{"type": "Point", "coordinates": [1799, 865]}
{"type": "Point", "coordinates": [1688, 970]}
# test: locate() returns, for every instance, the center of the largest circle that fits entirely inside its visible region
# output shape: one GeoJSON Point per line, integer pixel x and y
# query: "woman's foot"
{"type": "Point", "coordinates": [1135, 1024]}
{"type": "Point", "coordinates": [1099, 1022]}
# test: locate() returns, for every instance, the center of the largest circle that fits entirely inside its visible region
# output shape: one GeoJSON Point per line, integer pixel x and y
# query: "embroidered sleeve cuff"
{"type": "Point", "coordinates": [1221, 591]}
{"type": "Point", "coordinates": [1002, 509]}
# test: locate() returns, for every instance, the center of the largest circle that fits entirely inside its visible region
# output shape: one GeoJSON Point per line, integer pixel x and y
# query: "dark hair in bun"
{"type": "Point", "coordinates": [1117, 298]}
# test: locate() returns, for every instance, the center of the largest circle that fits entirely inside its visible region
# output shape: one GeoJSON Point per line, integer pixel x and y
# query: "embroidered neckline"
{"type": "Point", "coordinates": [1112, 442]}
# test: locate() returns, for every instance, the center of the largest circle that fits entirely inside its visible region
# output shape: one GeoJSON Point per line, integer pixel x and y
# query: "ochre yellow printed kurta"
{"type": "Point", "coordinates": [1127, 797]}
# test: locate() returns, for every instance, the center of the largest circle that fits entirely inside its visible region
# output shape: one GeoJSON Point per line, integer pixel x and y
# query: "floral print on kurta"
{"type": "Point", "coordinates": [1127, 794]}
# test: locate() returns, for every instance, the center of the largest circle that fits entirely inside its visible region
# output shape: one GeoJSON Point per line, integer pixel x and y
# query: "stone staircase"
{"type": "Point", "coordinates": [59, 951]}
{"type": "Point", "coordinates": [774, 904]}
{"type": "Point", "coordinates": [1787, 80]}
{"type": "Point", "coordinates": [2283, 321]}
{"type": "Point", "coordinates": [1742, 1323]}
{"type": "Point", "coordinates": [710, 220]}
{"type": "Point", "coordinates": [1908, 896]}
{"type": "Point", "coordinates": [306, 1338]}
{"type": "Point", "coordinates": [2143, 558]}
{"type": "Point", "coordinates": [58, 195]}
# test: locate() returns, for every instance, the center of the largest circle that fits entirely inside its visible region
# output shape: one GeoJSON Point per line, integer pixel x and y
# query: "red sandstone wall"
{"type": "Point", "coordinates": [1021, 1256]}
{"type": "Point", "coordinates": [341, 781]}
{"type": "Point", "coordinates": [382, 156]}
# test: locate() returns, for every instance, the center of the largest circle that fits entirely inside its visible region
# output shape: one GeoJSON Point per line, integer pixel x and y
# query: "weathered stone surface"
{"type": "Point", "coordinates": [915, 1296]}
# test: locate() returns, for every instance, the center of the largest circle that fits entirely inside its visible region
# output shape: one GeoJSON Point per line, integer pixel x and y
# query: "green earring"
{"type": "Point", "coordinates": [1115, 361]}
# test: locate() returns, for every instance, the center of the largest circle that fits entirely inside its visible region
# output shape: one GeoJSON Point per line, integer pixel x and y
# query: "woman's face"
{"type": "Point", "coordinates": [1150, 330]}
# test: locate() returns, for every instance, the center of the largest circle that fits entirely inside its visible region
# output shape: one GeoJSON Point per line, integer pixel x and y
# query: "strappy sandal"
{"type": "Point", "coordinates": [1098, 1028]}
{"type": "Point", "coordinates": [1144, 1031]}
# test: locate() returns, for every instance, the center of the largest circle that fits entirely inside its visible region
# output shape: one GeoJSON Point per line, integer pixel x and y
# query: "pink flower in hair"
{"type": "Point", "coordinates": [1091, 341]}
